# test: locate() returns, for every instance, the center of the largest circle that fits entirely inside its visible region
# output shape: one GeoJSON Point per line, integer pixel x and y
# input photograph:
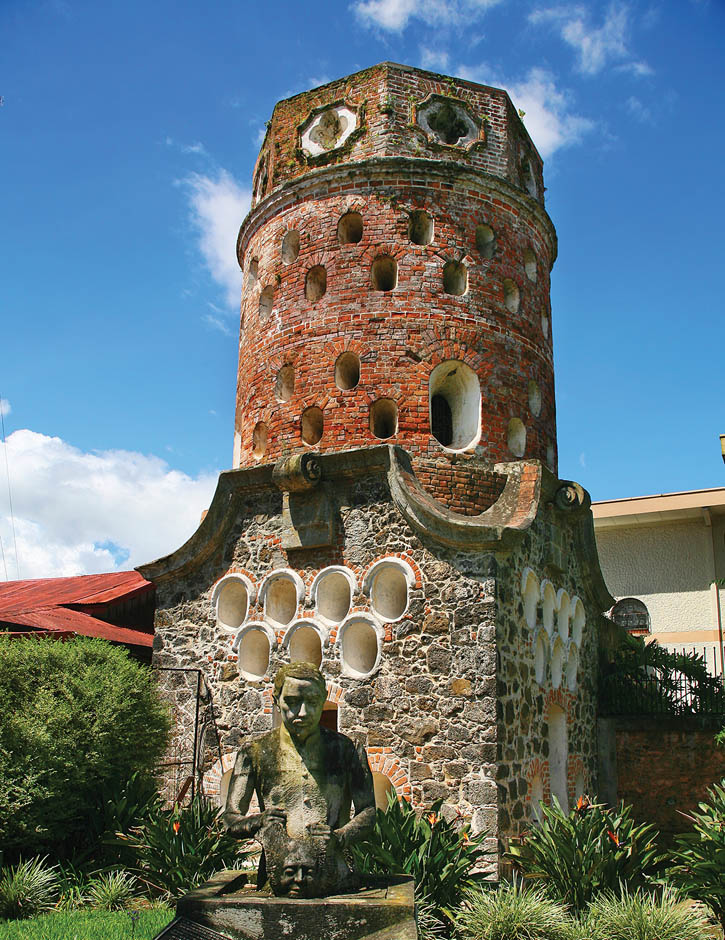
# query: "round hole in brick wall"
{"type": "Point", "coordinates": [252, 273]}
{"type": "Point", "coordinates": [527, 175]}
{"type": "Point", "coordinates": [359, 648]}
{"type": "Point", "coordinates": [384, 418]}
{"type": "Point", "coordinates": [530, 593]}
{"type": "Point", "coordinates": [511, 295]}
{"type": "Point", "coordinates": [557, 663]}
{"type": "Point", "coordinates": [420, 227]}
{"type": "Point", "coordinates": [305, 646]}
{"type": "Point", "coordinates": [266, 302]}
{"type": "Point", "coordinates": [254, 654]}
{"type": "Point", "coordinates": [578, 620]}
{"type": "Point", "coordinates": [516, 437]}
{"type": "Point", "coordinates": [333, 596]}
{"type": "Point", "coordinates": [544, 324]}
{"type": "Point", "coordinates": [315, 283]}
{"type": "Point", "coordinates": [548, 606]}
{"type": "Point", "coordinates": [389, 591]}
{"type": "Point", "coordinates": [534, 398]}
{"type": "Point", "coordinates": [540, 657]}
{"type": "Point", "coordinates": [280, 601]}
{"type": "Point", "coordinates": [350, 228]}
{"type": "Point", "coordinates": [284, 386]}
{"type": "Point", "coordinates": [384, 273]}
{"type": "Point", "coordinates": [313, 424]}
{"type": "Point", "coordinates": [485, 240]}
{"type": "Point", "coordinates": [572, 668]}
{"type": "Point", "coordinates": [290, 246]}
{"type": "Point", "coordinates": [455, 405]}
{"type": "Point", "coordinates": [259, 440]}
{"type": "Point", "coordinates": [232, 603]}
{"type": "Point", "coordinates": [530, 264]}
{"type": "Point", "coordinates": [455, 278]}
{"type": "Point", "coordinates": [347, 370]}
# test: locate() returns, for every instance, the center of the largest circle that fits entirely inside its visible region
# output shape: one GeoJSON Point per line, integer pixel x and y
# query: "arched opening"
{"type": "Point", "coordinates": [254, 654]}
{"type": "Point", "coordinates": [530, 592]}
{"type": "Point", "coordinates": [384, 273]}
{"type": "Point", "coordinates": [359, 648]}
{"type": "Point", "coordinates": [534, 398]}
{"type": "Point", "coordinates": [557, 663]}
{"type": "Point", "coordinates": [420, 227]}
{"type": "Point", "coordinates": [540, 656]}
{"type": "Point", "coordinates": [290, 246]}
{"type": "Point", "coordinates": [563, 614]}
{"type": "Point", "coordinates": [329, 716]}
{"type": "Point", "coordinates": [550, 457]}
{"type": "Point", "coordinates": [305, 646]}
{"type": "Point", "coordinates": [333, 596]}
{"type": "Point", "coordinates": [389, 591]}
{"type": "Point", "coordinates": [284, 386]}
{"type": "Point", "coordinates": [578, 621]}
{"type": "Point", "coordinates": [315, 283]}
{"type": "Point", "coordinates": [528, 177]}
{"type": "Point", "coordinates": [537, 797]}
{"type": "Point", "coordinates": [226, 779]}
{"type": "Point", "coordinates": [545, 325]}
{"type": "Point", "coordinates": [511, 295]}
{"type": "Point", "coordinates": [383, 418]}
{"type": "Point", "coordinates": [455, 278]}
{"type": "Point", "coordinates": [558, 755]}
{"type": "Point", "coordinates": [252, 273]}
{"type": "Point", "coordinates": [232, 603]}
{"type": "Point", "coordinates": [266, 302]}
{"type": "Point", "coordinates": [485, 240]}
{"type": "Point", "coordinates": [350, 228]}
{"type": "Point", "coordinates": [456, 387]}
{"type": "Point", "coordinates": [548, 606]}
{"type": "Point", "coordinates": [347, 371]}
{"type": "Point", "coordinates": [530, 264]}
{"type": "Point", "coordinates": [383, 787]}
{"type": "Point", "coordinates": [517, 437]}
{"type": "Point", "coordinates": [280, 602]}
{"type": "Point", "coordinates": [313, 424]}
{"type": "Point", "coordinates": [259, 440]}
{"type": "Point", "coordinates": [572, 668]}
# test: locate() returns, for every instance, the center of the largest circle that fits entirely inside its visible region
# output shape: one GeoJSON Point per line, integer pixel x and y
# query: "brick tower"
{"type": "Point", "coordinates": [394, 513]}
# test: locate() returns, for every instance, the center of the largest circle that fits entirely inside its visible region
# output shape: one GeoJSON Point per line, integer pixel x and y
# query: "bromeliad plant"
{"type": "Point", "coordinates": [590, 850]}
{"type": "Point", "coordinates": [182, 847]}
{"type": "Point", "coordinates": [440, 856]}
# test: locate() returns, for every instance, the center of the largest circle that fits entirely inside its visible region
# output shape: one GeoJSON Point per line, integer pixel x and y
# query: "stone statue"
{"type": "Point", "coordinates": [306, 779]}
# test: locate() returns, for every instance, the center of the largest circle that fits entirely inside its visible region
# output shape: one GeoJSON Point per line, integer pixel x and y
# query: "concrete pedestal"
{"type": "Point", "coordinates": [226, 908]}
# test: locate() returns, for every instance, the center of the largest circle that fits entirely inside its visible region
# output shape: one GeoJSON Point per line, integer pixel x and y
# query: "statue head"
{"type": "Point", "coordinates": [300, 692]}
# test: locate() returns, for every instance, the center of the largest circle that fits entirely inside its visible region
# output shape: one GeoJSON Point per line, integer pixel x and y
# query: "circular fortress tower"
{"type": "Point", "coordinates": [396, 281]}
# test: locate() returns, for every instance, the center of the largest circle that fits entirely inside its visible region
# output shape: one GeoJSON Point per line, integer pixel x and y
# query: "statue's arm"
{"type": "Point", "coordinates": [363, 798]}
{"type": "Point", "coordinates": [239, 796]}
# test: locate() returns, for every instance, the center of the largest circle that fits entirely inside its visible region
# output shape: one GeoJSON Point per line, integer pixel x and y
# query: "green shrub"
{"type": "Point", "coordinates": [588, 851]}
{"type": "Point", "coordinates": [439, 856]}
{"type": "Point", "coordinates": [111, 891]}
{"type": "Point", "coordinates": [698, 857]}
{"type": "Point", "coordinates": [77, 717]}
{"type": "Point", "coordinates": [514, 912]}
{"type": "Point", "coordinates": [129, 805]}
{"type": "Point", "coordinates": [72, 885]}
{"type": "Point", "coordinates": [180, 848]}
{"type": "Point", "coordinates": [90, 925]}
{"type": "Point", "coordinates": [27, 888]}
{"type": "Point", "coordinates": [641, 916]}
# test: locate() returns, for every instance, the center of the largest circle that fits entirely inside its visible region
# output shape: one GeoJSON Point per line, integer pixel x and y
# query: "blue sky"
{"type": "Point", "coordinates": [128, 134]}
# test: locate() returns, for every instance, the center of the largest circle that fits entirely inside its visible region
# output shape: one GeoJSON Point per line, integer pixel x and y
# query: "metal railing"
{"type": "Point", "coordinates": [673, 694]}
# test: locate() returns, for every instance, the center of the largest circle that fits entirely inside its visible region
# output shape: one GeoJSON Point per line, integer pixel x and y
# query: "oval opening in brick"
{"type": "Point", "coordinates": [259, 440]}
{"type": "Point", "coordinates": [333, 597]}
{"type": "Point", "coordinates": [540, 657]}
{"type": "Point", "coordinates": [550, 457]}
{"type": "Point", "coordinates": [252, 272]}
{"type": "Point", "coordinates": [557, 663]}
{"type": "Point", "coordinates": [530, 264]}
{"type": "Point", "coordinates": [455, 278]}
{"type": "Point", "coordinates": [280, 602]}
{"type": "Point", "coordinates": [485, 240]}
{"type": "Point", "coordinates": [359, 650]}
{"type": "Point", "coordinates": [516, 437]}
{"type": "Point", "coordinates": [455, 405]}
{"type": "Point", "coordinates": [572, 668]}
{"type": "Point", "coordinates": [350, 228]}
{"type": "Point", "coordinates": [232, 603]}
{"type": "Point", "coordinates": [511, 296]}
{"type": "Point", "coordinates": [266, 302]}
{"type": "Point", "coordinates": [284, 386]}
{"type": "Point", "coordinates": [389, 592]}
{"type": "Point", "coordinates": [290, 246]}
{"type": "Point", "coordinates": [528, 177]}
{"type": "Point", "coordinates": [313, 424]}
{"type": "Point", "coordinates": [305, 646]}
{"type": "Point", "coordinates": [534, 398]}
{"type": "Point", "coordinates": [384, 273]}
{"type": "Point", "coordinates": [315, 283]}
{"type": "Point", "coordinates": [254, 655]}
{"type": "Point", "coordinates": [383, 787]}
{"type": "Point", "coordinates": [420, 227]}
{"type": "Point", "coordinates": [545, 325]}
{"type": "Point", "coordinates": [347, 371]}
{"type": "Point", "coordinates": [384, 418]}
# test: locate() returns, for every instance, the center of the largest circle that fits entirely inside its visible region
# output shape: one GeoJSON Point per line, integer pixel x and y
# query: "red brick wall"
{"type": "Point", "coordinates": [664, 769]}
{"type": "Point", "coordinates": [460, 487]}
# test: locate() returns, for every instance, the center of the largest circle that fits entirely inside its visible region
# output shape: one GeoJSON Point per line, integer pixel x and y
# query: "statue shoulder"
{"type": "Point", "coordinates": [346, 746]}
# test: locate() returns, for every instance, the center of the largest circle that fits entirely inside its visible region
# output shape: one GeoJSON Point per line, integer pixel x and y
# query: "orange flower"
{"type": "Point", "coordinates": [582, 804]}
{"type": "Point", "coordinates": [613, 836]}
{"type": "Point", "coordinates": [177, 826]}
{"type": "Point", "coordinates": [432, 818]}
{"type": "Point", "coordinates": [466, 838]}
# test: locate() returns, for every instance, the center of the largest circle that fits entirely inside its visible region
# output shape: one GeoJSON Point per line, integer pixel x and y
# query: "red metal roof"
{"type": "Point", "coordinates": [47, 604]}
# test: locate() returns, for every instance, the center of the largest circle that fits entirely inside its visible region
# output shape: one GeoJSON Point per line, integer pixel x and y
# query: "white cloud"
{"type": "Point", "coordinates": [83, 513]}
{"type": "Point", "coordinates": [216, 323]}
{"type": "Point", "coordinates": [638, 110]}
{"type": "Point", "coordinates": [436, 59]}
{"type": "Point", "coordinates": [394, 15]}
{"type": "Point", "coordinates": [595, 46]}
{"type": "Point", "coordinates": [218, 206]}
{"type": "Point", "coordinates": [197, 147]}
{"type": "Point", "coordinates": [548, 115]}
{"type": "Point", "coordinates": [5, 408]}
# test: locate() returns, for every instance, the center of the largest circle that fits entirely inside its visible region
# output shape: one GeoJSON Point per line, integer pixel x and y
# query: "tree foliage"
{"type": "Point", "coordinates": [76, 718]}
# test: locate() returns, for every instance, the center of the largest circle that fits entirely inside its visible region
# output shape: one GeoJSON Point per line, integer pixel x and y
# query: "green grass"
{"type": "Point", "coordinates": [87, 925]}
